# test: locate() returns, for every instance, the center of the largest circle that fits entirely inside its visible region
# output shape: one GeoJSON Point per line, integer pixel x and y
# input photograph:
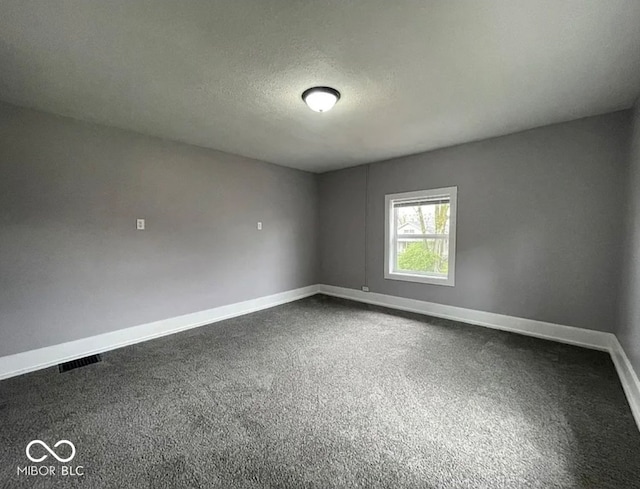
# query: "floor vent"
{"type": "Point", "coordinates": [80, 362]}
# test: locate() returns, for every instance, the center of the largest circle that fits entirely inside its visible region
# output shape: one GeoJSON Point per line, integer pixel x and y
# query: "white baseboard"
{"type": "Point", "coordinates": [587, 338]}
{"type": "Point", "coordinates": [21, 363]}
{"type": "Point", "coordinates": [628, 377]}
{"type": "Point", "coordinates": [565, 334]}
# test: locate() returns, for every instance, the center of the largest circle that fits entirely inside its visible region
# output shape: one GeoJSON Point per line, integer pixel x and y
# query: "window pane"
{"type": "Point", "coordinates": [422, 255]}
{"type": "Point", "coordinates": [429, 256]}
{"type": "Point", "coordinates": [422, 219]}
{"type": "Point", "coordinates": [420, 229]}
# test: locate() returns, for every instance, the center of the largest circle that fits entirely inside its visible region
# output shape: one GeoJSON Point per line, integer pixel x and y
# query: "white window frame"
{"type": "Point", "coordinates": [390, 237]}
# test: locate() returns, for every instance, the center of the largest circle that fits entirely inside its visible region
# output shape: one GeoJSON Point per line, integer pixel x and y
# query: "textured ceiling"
{"type": "Point", "coordinates": [414, 75]}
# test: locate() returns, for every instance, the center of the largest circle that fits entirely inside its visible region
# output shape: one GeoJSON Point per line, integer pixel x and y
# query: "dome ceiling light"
{"type": "Point", "coordinates": [321, 99]}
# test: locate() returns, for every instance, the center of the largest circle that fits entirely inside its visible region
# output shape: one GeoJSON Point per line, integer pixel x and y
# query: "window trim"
{"type": "Point", "coordinates": [389, 232]}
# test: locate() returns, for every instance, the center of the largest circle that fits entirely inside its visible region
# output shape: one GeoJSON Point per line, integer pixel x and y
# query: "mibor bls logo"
{"type": "Point", "coordinates": [63, 456]}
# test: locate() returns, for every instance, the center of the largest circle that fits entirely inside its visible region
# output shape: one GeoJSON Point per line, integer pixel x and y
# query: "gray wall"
{"type": "Point", "coordinates": [539, 227]}
{"type": "Point", "coordinates": [71, 261]}
{"type": "Point", "coordinates": [539, 222]}
{"type": "Point", "coordinates": [628, 331]}
{"type": "Point", "coordinates": [342, 227]}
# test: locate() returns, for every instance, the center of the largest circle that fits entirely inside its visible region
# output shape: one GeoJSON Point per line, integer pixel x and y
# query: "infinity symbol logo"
{"type": "Point", "coordinates": [46, 447]}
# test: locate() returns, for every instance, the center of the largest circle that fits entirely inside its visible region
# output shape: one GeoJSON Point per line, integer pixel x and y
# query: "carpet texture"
{"type": "Point", "coordinates": [325, 393]}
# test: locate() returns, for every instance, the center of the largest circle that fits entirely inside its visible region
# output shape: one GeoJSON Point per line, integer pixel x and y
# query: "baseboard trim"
{"type": "Point", "coordinates": [628, 377]}
{"type": "Point", "coordinates": [29, 361]}
{"type": "Point", "coordinates": [586, 338]}
{"type": "Point", "coordinates": [596, 340]}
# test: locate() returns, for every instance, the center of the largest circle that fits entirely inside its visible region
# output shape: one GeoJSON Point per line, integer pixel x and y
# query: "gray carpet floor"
{"type": "Point", "coordinates": [325, 393]}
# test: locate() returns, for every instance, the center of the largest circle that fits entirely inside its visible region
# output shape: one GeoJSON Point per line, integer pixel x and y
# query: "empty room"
{"type": "Point", "coordinates": [319, 244]}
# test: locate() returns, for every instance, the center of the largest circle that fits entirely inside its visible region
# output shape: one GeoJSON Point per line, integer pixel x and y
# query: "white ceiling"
{"type": "Point", "coordinates": [414, 75]}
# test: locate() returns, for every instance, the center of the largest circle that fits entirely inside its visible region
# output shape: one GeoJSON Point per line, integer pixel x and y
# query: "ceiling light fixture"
{"type": "Point", "coordinates": [321, 99]}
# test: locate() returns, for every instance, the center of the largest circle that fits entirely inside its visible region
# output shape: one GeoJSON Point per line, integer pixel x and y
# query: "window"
{"type": "Point", "coordinates": [428, 254]}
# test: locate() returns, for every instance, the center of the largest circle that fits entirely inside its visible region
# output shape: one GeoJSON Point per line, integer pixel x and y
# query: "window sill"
{"type": "Point", "coordinates": [423, 279]}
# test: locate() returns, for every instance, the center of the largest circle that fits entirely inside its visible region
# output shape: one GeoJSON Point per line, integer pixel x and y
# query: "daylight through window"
{"type": "Point", "coordinates": [420, 232]}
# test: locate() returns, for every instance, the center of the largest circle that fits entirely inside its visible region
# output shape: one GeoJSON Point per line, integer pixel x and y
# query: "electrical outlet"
{"type": "Point", "coordinates": [140, 224]}
{"type": "Point", "coordinates": [259, 225]}
{"type": "Point", "coordinates": [365, 288]}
